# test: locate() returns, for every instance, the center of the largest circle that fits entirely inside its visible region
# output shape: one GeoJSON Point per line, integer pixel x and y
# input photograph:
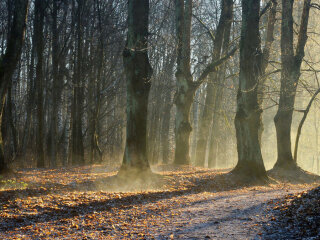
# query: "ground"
{"type": "Point", "coordinates": [179, 203]}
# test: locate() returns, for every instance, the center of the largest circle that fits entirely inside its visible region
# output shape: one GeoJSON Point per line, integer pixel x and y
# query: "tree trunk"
{"type": "Point", "coordinates": [219, 91]}
{"type": "Point", "coordinates": [265, 56]}
{"type": "Point", "coordinates": [56, 86]}
{"type": "Point", "coordinates": [77, 156]}
{"type": "Point", "coordinates": [30, 104]}
{"type": "Point", "coordinates": [183, 127]}
{"type": "Point", "coordinates": [165, 128]}
{"type": "Point", "coordinates": [213, 144]}
{"type": "Point", "coordinates": [305, 114]}
{"type": "Point", "coordinates": [94, 138]}
{"type": "Point", "coordinates": [247, 120]}
{"type": "Point", "coordinates": [138, 74]}
{"type": "Point", "coordinates": [206, 119]}
{"type": "Point", "coordinates": [38, 31]}
{"type": "Point", "coordinates": [185, 86]}
{"type": "Point", "coordinates": [9, 61]}
{"type": "Point", "coordinates": [290, 74]}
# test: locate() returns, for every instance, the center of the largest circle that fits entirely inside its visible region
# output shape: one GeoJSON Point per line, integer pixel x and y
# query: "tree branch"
{"type": "Point", "coordinates": [263, 11]}
{"type": "Point", "coordinates": [205, 26]}
{"type": "Point", "coordinates": [212, 67]}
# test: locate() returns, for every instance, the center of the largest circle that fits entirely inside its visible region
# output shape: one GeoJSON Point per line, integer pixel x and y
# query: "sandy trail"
{"type": "Point", "coordinates": [237, 214]}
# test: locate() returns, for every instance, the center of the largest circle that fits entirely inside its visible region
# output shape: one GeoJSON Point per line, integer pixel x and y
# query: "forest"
{"type": "Point", "coordinates": [159, 119]}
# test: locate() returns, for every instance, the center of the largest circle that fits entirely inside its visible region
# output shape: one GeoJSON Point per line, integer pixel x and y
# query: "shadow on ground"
{"type": "Point", "coordinates": [159, 186]}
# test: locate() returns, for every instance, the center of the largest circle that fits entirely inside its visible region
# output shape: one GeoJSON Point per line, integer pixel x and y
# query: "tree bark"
{"type": "Point", "coordinates": [185, 86]}
{"type": "Point", "coordinates": [9, 61]}
{"type": "Point", "coordinates": [290, 73]}
{"type": "Point", "coordinates": [138, 74]}
{"type": "Point", "coordinates": [247, 120]}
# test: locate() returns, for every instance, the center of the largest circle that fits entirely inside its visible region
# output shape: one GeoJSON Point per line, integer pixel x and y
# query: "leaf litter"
{"type": "Point", "coordinates": [177, 203]}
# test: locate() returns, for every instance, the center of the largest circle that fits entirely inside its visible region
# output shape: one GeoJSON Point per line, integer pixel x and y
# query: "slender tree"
{"type": "Point", "coordinates": [39, 43]}
{"type": "Point", "coordinates": [219, 92]}
{"type": "Point", "coordinates": [290, 74]}
{"type": "Point", "coordinates": [77, 147]}
{"type": "Point", "coordinates": [206, 119]}
{"type": "Point", "coordinates": [56, 83]}
{"type": "Point", "coordinates": [265, 56]}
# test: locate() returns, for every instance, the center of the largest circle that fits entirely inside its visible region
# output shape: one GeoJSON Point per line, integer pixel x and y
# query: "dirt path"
{"type": "Point", "coordinates": [236, 214]}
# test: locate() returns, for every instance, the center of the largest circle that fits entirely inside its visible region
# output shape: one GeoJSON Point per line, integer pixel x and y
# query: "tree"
{"type": "Point", "coordinates": [266, 55]}
{"type": "Point", "coordinates": [38, 33]}
{"type": "Point", "coordinates": [206, 119]}
{"type": "Point", "coordinates": [186, 85]}
{"type": "Point", "coordinates": [247, 120]}
{"type": "Point", "coordinates": [77, 148]}
{"type": "Point", "coordinates": [10, 59]}
{"type": "Point", "coordinates": [290, 74]}
{"type": "Point", "coordinates": [305, 114]}
{"type": "Point", "coordinates": [56, 85]}
{"type": "Point", "coordinates": [219, 93]}
{"type": "Point", "coordinates": [138, 74]}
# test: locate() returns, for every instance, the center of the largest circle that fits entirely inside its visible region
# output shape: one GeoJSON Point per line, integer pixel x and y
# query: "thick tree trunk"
{"type": "Point", "coordinates": [9, 61]}
{"type": "Point", "coordinates": [138, 74]}
{"type": "Point", "coordinates": [290, 74]}
{"type": "Point", "coordinates": [247, 120]}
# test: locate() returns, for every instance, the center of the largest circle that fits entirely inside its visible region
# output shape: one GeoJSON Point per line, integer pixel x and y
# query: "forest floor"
{"type": "Point", "coordinates": [179, 203]}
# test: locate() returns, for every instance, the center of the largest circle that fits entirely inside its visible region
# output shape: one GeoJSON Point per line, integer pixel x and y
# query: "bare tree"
{"type": "Point", "coordinates": [290, 74]}
{"type": "Point", "coordinates": [186, 85]}
{"type": "Point", "coordinates": [10, 59]}
{"type": "Point", "coordinates": [138, 74]}
{"type": "Point", "coordinates": [247, 121]}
